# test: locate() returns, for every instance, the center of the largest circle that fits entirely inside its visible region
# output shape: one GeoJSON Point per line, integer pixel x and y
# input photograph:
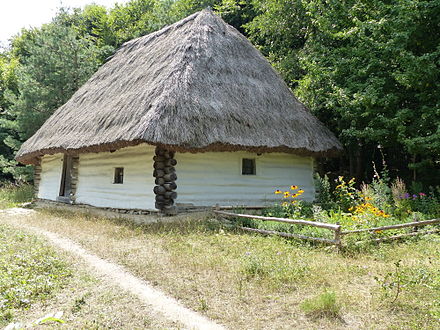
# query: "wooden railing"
{"type": "Point", "coordinates": [332, 227]}
{"type": "Point", "coordinates": [335, 228]}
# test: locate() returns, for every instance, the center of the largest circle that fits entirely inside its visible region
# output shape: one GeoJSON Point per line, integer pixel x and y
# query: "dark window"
{"type": "Point", "coordinates": [248, 166]}
{"type": "Point", "coordinates": [119, 175]}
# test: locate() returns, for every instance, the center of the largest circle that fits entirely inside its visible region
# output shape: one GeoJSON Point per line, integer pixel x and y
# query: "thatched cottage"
{"type": "Point", "coordinates": [194, 101]}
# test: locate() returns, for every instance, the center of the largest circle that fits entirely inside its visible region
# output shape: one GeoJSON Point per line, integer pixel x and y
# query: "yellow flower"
{"type": "Point", "coordinates": [286, 194]}
{"type": "Point", "coordinates": [300, 191]}
{"type": "Point", "coordinates": [351, 181]}
{"type": "Point", "coordinates": [368, 198]}
{"type": "Point", "coordinates": [278, 191]}
{"type": "Point", "coordinates": [293, 187]}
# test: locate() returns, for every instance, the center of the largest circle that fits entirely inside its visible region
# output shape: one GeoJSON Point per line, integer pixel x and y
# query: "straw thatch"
{"type": "Point", "coordinates": [196, 85]}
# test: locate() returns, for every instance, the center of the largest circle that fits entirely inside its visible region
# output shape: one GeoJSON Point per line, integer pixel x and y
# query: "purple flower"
{"type": "Point", "coordinates": [414, 196]}
{"type": "Point", "coordinates": [405, 196]}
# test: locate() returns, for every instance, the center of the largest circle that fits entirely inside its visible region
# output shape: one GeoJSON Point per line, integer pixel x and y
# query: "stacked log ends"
{"type": "Point", "coordinates": [37, 175]}
{"type": "Point", "coordinates": [165, 177]}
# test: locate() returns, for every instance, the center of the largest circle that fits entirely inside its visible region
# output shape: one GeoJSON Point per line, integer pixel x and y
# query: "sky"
{"type": "Point", "coordinates": [17, 14]}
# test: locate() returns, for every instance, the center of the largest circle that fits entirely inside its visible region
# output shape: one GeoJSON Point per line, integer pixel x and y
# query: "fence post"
{"type": "Point", "coordinates": [217, 208]}
{"type": "Point", "coordinates": [416, 219]}
{"type": "Point", "coordinates": [338, 241]}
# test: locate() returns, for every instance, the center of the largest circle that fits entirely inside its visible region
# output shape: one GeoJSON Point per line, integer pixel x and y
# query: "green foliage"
{"type": "Point", "coordinates": [367, 69]}
{"type": "Point", "coordinates": [12, 195]}
{"type": "Point", "coordinates": [30, 271]}
{"type": "Point", "coordinates": [323, 305]}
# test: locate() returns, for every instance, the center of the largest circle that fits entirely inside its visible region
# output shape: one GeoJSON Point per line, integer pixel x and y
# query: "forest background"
{"type": "Point", "coordinates": [368, 69]}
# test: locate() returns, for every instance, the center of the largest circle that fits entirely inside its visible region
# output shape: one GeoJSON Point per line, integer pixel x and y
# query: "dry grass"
{"type": "Point", "coordinates": [87, 302]}
{"type": "Point", "coordinates": [246, 281]}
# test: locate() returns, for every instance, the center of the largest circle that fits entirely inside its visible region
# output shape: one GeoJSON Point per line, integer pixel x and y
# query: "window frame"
{"type": "Point", "coordinates": [118, 175]}
{"type": "Point", "coordinates": [254, 166]}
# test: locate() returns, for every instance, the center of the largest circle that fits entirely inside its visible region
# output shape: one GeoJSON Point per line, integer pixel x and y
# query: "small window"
{"type": "Point", "coordinates": [248, 166]}
{"type": "Point", "coordinates": [119, 175]}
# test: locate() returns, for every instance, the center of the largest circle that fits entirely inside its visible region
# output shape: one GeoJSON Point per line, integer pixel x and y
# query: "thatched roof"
{"type": "Point", "coordinates": [196, 85]}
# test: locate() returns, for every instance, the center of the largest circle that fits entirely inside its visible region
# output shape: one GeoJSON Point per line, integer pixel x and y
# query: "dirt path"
{"type": "Point", "coordinates": [117, 275]}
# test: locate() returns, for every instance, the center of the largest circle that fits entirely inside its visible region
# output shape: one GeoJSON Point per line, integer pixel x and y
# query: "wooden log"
{"type": "Point", "coordinates": [159, 181]}
{"type": "Point", "coordinates": [434, 231]}
{"type": "Point", "coordinates": [169, 154]}
{"type": "Point", "coordinates": [168, 202]}
{"type": "Point", "coordinates": [337, 239]}
{"type": "Point", "coordinates": [170, 194]}
{"type": "Point", "coordinates": [159, 165]}
{"type": "Point", "coordinates": [170, 210]}
{"type": "Point", "coordinates": [288, 235]}
{"type": "Point", "coordinates": [170, 185]}
{"type": "Point", "coordinates": [229, 207]}
{"type": "Point", "coordinates": [158, 173]}
{"type": "Point", "coordinates": [159, 190]}
{"type": "Point", "coordinates": [169, 169]}
{"type": "Point", "coordinates": [160, 151]}
{"type": "Point", "coordinates": [170, 162]}
{"type": "Point", "coordinates": [159, 158]}
{"type": "Point", "coordinates": [328, 226]}
{"type": "Point", "coordinates": [398, 226]}
{"type": "Point", "coordinates": [169, 177]}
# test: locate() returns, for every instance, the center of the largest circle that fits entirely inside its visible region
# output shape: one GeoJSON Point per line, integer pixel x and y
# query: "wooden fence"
{"type": "Point", "coordinates": [335, 228]}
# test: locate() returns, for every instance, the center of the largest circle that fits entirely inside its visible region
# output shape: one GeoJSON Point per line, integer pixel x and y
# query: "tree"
{"type": "Point", "coordinates": [54, 63]}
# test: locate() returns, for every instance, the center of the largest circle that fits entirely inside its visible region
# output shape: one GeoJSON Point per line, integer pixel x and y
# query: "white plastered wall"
{"type": "Point", "coordinates": [50, 179]}
{"type": "Point", "coordinates": [96, 172]}
{"type": "Point", "coordinates": [209, 178]}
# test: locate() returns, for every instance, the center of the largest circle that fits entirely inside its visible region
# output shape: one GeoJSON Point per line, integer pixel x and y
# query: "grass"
{"type": "Point", "coordinates": [323, 305]}
{"type": "Point", "coordinates": [36, 281]}
{"type": "Point", "coordinates": [249, 281]}
{"type": "Point", "coordinates": [12, 195]}
{"type": "Point", "coordinates": [29, 271]}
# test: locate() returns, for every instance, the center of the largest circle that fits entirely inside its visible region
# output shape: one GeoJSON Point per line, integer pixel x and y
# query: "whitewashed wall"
{"type": "Point", "coordinates": [208, 178]}
{"type": "Point", "coordinates": [203, 179]}
{"type": "Point", "coordinates": [95, 178]}
{"type": "Point", "coordinates": [50, 179]}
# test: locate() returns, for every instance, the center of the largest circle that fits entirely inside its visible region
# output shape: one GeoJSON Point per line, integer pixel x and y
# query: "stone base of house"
{"type": "Point", "coordinates": [135, 215]}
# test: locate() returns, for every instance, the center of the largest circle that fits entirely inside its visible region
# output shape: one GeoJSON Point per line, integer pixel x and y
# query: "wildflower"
{"type": "Point", "coordinates": [368, 198]}
{"type": "Point", "coordinates": [286, 194]}
{"type": "Point", "coordinates": [351, 181]}
{"type": "Point", "coordinates": [293, 187]}
{"type": "Point", "coordinates": [278, 191]}
{"type": "Point", "coordinates": [422, 194]}
{"type": "Point", "coordinates": [300, 191]}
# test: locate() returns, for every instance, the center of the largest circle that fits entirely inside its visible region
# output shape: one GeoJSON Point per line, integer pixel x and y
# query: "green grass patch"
{"type": "Point", "coordinates": [30, 271]}
{"type": "Point", "coordinates": [11, 195]}
{"type": "Point", "coordinates": [322, 305]}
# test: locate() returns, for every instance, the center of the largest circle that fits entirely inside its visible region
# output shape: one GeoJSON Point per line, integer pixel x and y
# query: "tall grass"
{"type": "Point", "coordinates": [13, 195]}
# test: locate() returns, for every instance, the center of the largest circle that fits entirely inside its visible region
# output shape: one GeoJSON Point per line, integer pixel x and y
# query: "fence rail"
{"type": "Point", "coordinates": [329, 226]}
{"type": "Point", "coordinates": [336, 228]}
